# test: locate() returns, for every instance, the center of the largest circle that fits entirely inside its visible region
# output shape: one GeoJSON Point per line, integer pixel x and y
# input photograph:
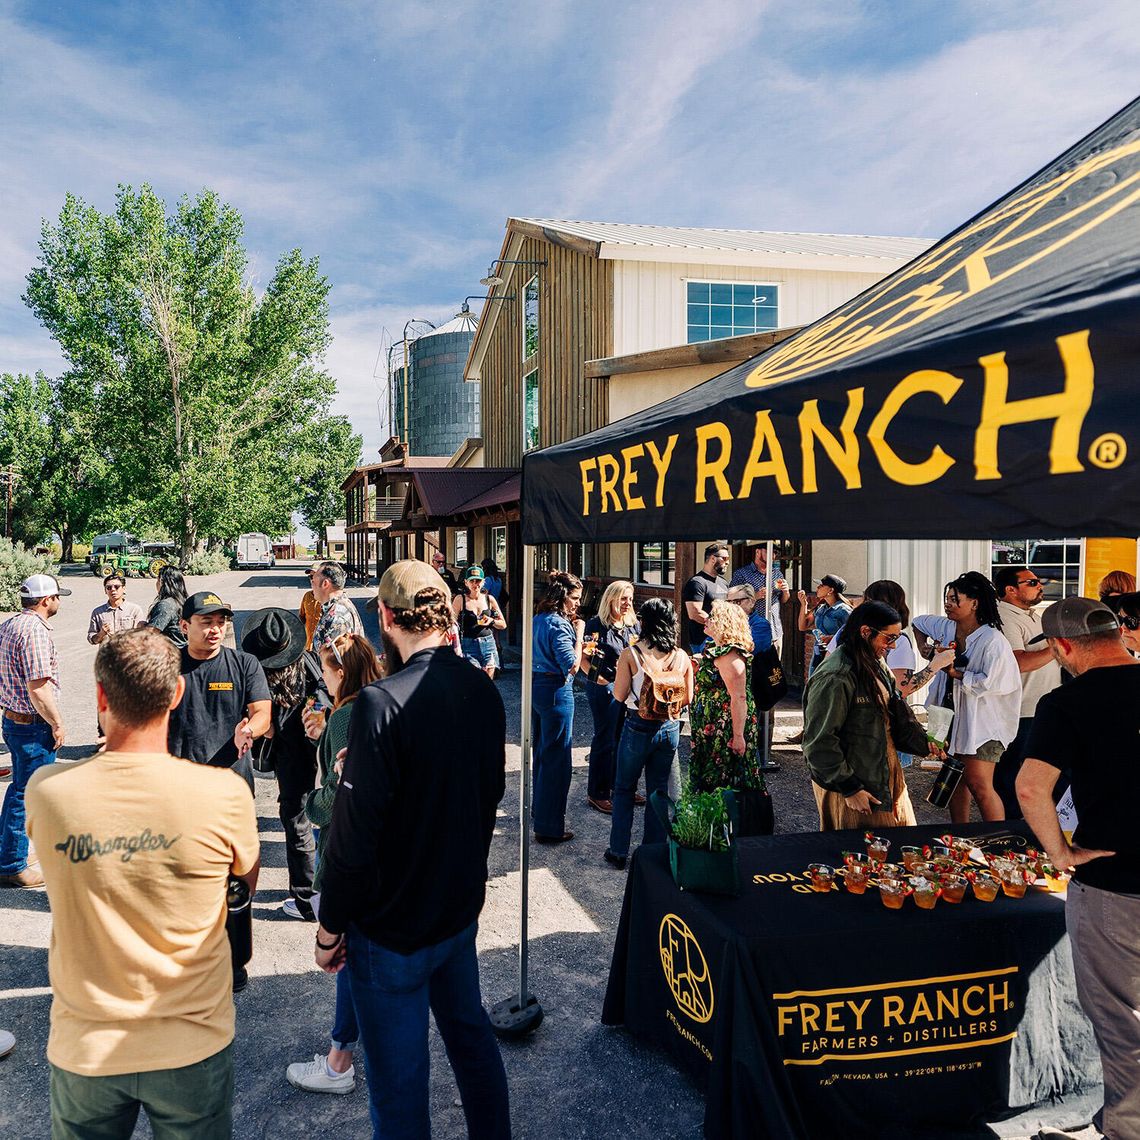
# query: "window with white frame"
{"type": "Point", "coordinates": [716, 309]}
{"type": "Point", "coordinates": [1056, 561]}
{"type": "Point", "coordinates": [530, 318]}
{"type": "Point", "coordinates": [499, 546]}
{"type": "Point", "coordinates": [530, 410]}
{"type": "Point", "coordinates": [653, 563]}
{"type": "Point", "coordinates": [460, 558]}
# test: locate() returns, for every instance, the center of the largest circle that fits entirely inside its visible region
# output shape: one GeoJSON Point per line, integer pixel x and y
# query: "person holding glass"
{"type": "Point", "coordinates": [478, 616]}
{"type": "Point", "coordinates": [558, 634]}
{"type": "Point", "coordinates": [608, 634]}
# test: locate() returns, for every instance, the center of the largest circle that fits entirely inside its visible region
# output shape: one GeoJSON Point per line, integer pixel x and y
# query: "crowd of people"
{"type": "Point", "coordinates": [138, 849]}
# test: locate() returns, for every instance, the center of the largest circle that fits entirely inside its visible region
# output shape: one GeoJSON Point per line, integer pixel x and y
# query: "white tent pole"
{"type": "Point", "coordinates": [521, 1014]}
{"type": "Point", "coordinates": [768, 717]}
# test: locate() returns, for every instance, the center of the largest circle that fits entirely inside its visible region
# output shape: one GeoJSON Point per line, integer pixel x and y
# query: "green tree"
{"type": "Point", "coordinates": [206, 396]}
{"type": "Point", "coordinates": [49, 437]}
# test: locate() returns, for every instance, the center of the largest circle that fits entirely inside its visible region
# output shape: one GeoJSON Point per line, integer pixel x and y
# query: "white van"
{"type": "Point", "coordinates": [254, 552]}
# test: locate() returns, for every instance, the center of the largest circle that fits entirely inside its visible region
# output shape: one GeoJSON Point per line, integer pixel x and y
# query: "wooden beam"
{"type": "Point", "coordinates": [727, 350]}
{"type": "Point", "coordinates": [556, 237]}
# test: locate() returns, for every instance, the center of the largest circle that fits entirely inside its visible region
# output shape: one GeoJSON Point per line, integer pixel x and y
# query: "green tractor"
{"type": "Point", "coordinates": [119, 553]}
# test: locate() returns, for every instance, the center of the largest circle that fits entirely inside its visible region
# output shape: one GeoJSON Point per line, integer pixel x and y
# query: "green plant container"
{"type": "Point", "coordinates": [706, 872]}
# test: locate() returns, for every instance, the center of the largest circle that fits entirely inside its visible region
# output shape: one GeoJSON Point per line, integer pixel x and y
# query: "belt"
{"type": "Point", "coordinates": [23, 718]}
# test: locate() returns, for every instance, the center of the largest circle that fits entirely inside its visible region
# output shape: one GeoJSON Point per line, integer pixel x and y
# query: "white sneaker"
{"type": "Point", "coordinates": [7, 1042]}
{"type": "Point", "coordinates": [313, 1076]}
{"type": "Point", "coordinates": [293, 910]}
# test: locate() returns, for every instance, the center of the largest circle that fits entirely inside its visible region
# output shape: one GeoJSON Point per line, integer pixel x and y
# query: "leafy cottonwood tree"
{"type": "Point", "coordinates": [207, 397]}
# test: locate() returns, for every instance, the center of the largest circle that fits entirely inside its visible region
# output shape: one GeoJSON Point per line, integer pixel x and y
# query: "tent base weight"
{"type": "Point", "coordinates": [511, 1018]}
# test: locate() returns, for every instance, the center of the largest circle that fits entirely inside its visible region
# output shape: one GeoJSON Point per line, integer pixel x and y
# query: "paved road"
{"type": "Point", "coordinates": [573, 1078]}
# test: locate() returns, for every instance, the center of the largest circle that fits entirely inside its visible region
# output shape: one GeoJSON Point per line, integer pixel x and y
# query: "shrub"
{"type": "Point", "coordinates": [701, 821]}
{"type": "Point", "coordinates": [208, 562]}
{"type": "Point", "coordinates": [17, 563]}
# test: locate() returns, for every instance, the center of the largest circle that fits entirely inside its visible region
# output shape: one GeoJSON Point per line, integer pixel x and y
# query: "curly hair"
{"type": "Point", "coordinates": [433, 614]}
{"type": "Point", "coordinates": [560, 584]}
{"type": "Point", "coordinates": [981, 589]}
{"type": "Point", "coordinates": [728, 625]}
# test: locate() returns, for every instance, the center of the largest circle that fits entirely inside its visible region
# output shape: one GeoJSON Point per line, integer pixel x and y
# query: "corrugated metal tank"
{"type": "Point", "coordinates": [443, 411]}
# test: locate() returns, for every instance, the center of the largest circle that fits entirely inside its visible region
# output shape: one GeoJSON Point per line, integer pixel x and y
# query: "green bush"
{"type": "Point", "coordinates": [208, 562]}
{"type": "Point", "coordinates": [701, 821]}
{"type": "Point", "coordinates": [17, 563]}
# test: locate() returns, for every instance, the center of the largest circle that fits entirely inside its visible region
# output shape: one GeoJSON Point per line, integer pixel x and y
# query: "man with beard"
{"type": "Point", "coordinates": [405, 869]}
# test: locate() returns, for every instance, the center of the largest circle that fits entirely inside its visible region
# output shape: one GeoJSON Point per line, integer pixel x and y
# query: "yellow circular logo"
{"type": "Point", "coordinates": [685, 969]}
{"type": "Point", "coordinates": [1108, 451]}
{"type": "Point", "coordinates": [1019, 233]}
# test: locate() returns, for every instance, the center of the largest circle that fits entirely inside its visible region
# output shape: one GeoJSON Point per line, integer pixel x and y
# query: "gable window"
{"type": "Point", "coordinates": [718, 309]}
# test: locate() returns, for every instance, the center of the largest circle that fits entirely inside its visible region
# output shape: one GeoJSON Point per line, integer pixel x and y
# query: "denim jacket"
{"type": "Point", "coordinates": [554, 645]}
{"type": "Point", "coordinates": [845, 735]}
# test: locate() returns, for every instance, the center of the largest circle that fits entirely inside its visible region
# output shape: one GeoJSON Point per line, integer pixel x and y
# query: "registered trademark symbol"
{"type": "Point", "coordinates": [1108, 450]}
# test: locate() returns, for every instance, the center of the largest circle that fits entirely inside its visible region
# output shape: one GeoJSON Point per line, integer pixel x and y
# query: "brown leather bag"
{"type": "Point", "coordinates": [663, 695]}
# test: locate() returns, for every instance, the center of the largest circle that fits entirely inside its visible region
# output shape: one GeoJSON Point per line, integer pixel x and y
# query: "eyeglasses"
{"type": "Point", "coordinates": [891, 638]}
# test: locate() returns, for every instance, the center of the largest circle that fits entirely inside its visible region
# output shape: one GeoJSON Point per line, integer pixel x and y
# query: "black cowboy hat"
{"type": "Point", "coordinates": [276, 637]}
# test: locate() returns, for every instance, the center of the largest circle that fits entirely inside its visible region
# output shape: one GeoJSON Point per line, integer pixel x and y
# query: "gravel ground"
{"type": "Point", "coordinates": [573, 1078]}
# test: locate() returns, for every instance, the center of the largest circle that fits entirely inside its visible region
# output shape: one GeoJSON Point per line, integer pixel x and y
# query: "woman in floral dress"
{"type": "Point", "coordinates": [723, 713]}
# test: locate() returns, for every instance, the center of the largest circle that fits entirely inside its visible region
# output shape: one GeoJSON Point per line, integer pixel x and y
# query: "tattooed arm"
{"type": "Point", "coordinates": [910, 680]}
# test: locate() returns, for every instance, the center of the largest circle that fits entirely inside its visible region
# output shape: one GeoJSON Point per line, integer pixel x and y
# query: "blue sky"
{"type": "Point", "coordinates": [394, 139]}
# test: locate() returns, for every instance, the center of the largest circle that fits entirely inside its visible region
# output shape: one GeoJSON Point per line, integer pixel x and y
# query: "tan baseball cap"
{"type": "Point", "coordinates": [405, 581]}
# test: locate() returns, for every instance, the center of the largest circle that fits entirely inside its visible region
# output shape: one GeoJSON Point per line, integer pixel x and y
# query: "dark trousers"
{"type": "Point", "coordinates": [608, 716]}
{"type": "Point", "coordinates": [392, 994]}
{"type": "Point", "coordinates": [194, 1102]}
{"type": "Point", "coordinates": [1005, 776]}
{"type": "Point", "coordinates": [296, 770]}
{"type": "Point", "coordinates": [552, 729]}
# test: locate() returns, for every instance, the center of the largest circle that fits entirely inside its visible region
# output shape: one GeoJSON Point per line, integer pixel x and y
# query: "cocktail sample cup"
{"type": "Point", "coordinates": [953, 888]}
{"type": "Point", "coordinates": [911, 857]}
{"type": "Point", "coordinates": [893, 893]}
{"type": "Point", "coordinates": [984, 886]}
{"type": "Point", "coordinates": [822, 877]}
{"type": "Point", "coordinates": [926, 893]}
{"type": "Point", "coordinates": [856, 876]}
{"type": "Point", "coordinates": [877, 846]}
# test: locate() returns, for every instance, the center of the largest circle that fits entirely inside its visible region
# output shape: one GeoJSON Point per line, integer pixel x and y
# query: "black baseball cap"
{"type": "Point", "coordinates": [206, 602]}
{"type": "Point", "coordinates": [1075, 617]}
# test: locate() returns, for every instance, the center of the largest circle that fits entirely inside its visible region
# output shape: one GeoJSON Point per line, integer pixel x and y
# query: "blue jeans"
{"type": "Point", "coordinates": [32, 746]}
{"type": "Point", "coordinates": [392, 994]}
{"type": "Point", "coordinates": [648, 744]}
{"type": "Point", "coordinates": [552, 729]}
{"type": "Point", "coordinates": [345, 1031]}
{"type": "Point", "coordinates": [608, 715]}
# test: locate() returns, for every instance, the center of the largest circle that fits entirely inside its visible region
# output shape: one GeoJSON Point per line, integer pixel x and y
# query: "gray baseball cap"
{"type": "Point", "coordinates": [1075, 617]}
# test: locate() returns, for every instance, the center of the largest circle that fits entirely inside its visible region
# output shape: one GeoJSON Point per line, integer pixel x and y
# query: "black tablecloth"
{"type": "Point", "coordinates": [810, 1015]}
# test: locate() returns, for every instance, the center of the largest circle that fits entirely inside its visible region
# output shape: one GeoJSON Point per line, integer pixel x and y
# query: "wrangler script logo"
{"type": "Point", "coordinates": [686, 971]}
{"type": "Point", "coordinates": [896, 1019]}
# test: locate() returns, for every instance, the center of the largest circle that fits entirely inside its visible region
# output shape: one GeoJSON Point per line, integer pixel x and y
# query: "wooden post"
{"type": "Point", "coordinates": [684, 567]}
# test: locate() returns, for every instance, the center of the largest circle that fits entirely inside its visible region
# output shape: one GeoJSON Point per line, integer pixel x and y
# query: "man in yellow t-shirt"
{"type": "Point", "coordinates": [136, 848]}
{"type": "Point", "coordinates": [310, 611]}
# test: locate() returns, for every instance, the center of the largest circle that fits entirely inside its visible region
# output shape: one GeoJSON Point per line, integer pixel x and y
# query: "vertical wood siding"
{"type": "Point", "coordinates": [575, 316]}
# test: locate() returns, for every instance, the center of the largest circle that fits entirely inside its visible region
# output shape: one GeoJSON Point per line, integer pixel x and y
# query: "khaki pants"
{"type": "Point", "coordinates": [1104, 928]}
{"type": "Point", "coordinates": [194, 1102]}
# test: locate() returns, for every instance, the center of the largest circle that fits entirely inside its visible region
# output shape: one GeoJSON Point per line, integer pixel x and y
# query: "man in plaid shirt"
{"type": "Point", "coordinates": [32, 722]}
{"type": "Point", "coordinates": [338, 614]}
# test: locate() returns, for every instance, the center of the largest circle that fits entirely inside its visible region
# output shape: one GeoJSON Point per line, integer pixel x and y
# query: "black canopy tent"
{"type": "Point", "coordinates": [987, 388]}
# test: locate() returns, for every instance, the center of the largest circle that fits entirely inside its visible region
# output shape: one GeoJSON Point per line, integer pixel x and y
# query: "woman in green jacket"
{"type": "Point", "coordinates": [347, 665]}
{"type": "Point", "coordinates": [855, 770]}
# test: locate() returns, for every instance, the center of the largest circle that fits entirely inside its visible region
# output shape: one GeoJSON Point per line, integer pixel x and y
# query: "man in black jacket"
{"type": "Point", "coordinates": [406, 864]}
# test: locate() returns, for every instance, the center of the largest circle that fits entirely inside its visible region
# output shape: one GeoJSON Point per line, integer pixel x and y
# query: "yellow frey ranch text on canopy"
{"type": "Point", "coordinates": [896, 1019]}
{"type": "Point", "coordinates": [640, 474]}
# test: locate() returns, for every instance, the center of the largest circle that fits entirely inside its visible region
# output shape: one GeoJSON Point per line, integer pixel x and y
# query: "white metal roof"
{"type": "Point", "coordinates": [461, 322]}
{"type": "Point", "coordinates": [614, 237]}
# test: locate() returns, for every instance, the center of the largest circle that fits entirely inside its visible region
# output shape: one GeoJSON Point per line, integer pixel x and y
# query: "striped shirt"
{"type": "Point", "coordinates": [27, 653]}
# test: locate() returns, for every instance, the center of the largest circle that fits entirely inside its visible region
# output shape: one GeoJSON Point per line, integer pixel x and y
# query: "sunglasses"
{"type": "Point", "coordinates": [1129, 623]}
{"type": "Point", "coordinates": [891, 637]}
{"type": "Point", "coordinates": [1030, 582]}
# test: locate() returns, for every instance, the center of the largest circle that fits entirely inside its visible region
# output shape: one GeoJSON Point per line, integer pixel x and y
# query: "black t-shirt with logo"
{"type": "Point", "coordinates": [1091, 727]}
{"type": "Point", "coordinates": [705, 589]}
{"type": "Point", "coordinates": [218, 692]}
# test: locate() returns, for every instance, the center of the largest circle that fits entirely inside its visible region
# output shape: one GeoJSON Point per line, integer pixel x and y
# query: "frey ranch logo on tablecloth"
{"type": "Point", "coordinates": [896, 1019]}
{"type": "Point", "coordinates": [686, 971]}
